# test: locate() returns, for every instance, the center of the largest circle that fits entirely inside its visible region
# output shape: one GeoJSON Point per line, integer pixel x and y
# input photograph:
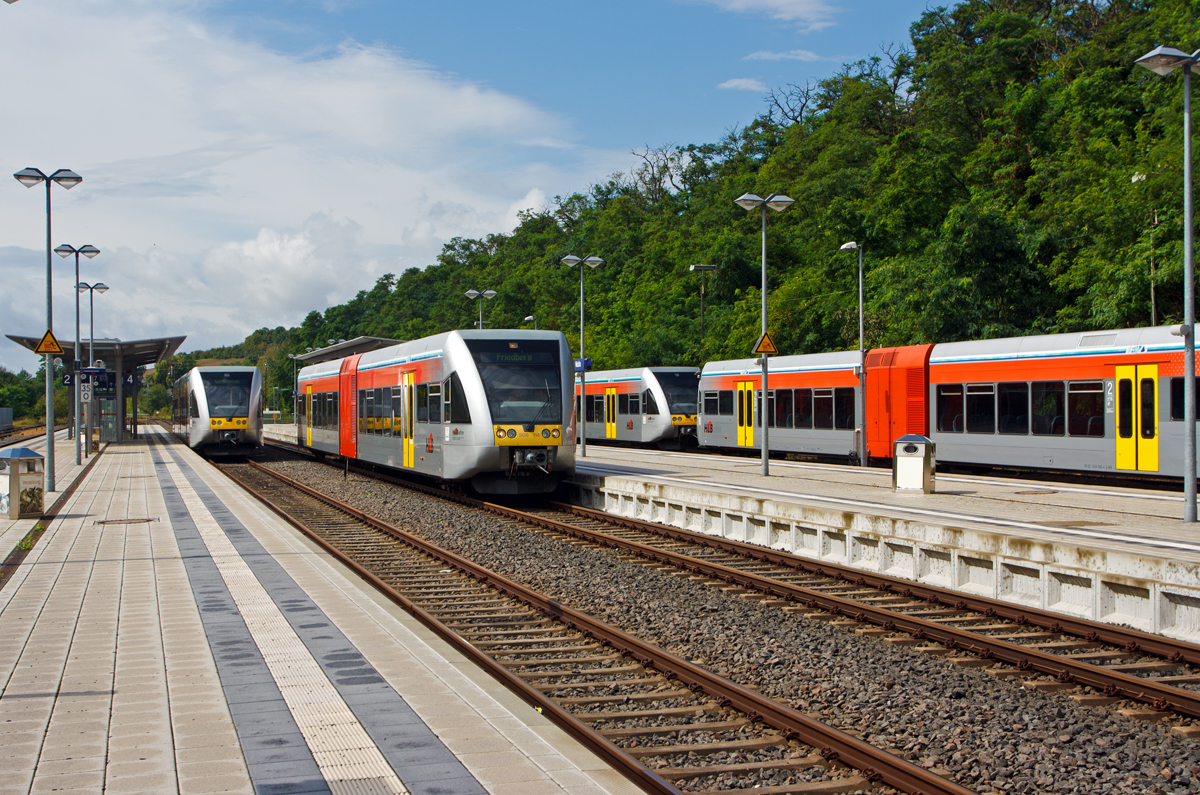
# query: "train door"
{"type": "Point", "coordinates": [1137, 417]}
{"type": "Point", "coordinates": [308, 416]}
{"type": "Point", "coordinates": [610, 412]}
{"type": "Point", "coordinates": [745, 413]}
{"type": "Point", "coordinates": [407, 439]}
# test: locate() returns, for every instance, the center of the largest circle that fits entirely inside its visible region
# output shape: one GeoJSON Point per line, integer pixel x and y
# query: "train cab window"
{"type": "Point", "coordinates": [649, 404]}
{"type": "Point", "coordinates": [823, 409]}
{"type": "Point", "coordinates": [422, 402]}
{"type": "Point", "coordinates": [193, 409]}
{"type": "Point", "coordinates": [802, 408]}
{"type": "Point", "coordinates": [623, 404]}
{"type": "Point", "coordinates": [1085, 408]}
{"type": "Point", "coordinates": [950, 417]}
{"type": "Point", "coordinates": [725, 402]}
{"type": "Point", "coordinates": [454, 402]}
{"type": "Point", "coordinates": [782, 409]}
{"type": "Point", "coordinates": [435, 402]}
{"type": "Point", "coordinates": [843, 408]}
{"type": "Point", "coordinates": [1047, 408]}
{"type": "Point", "coordinates": [711, 404]}
{"type": "Point", "coordinates": [981, 408]}
{"type": "Point", "coordinates": [1176, 399]}
{"type": "Point", "coordinates": [635, 404]}
{"type": "Point", "coordinates": [1013, 407]}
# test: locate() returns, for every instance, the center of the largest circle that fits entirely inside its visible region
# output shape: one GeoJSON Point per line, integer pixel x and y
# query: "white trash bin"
{"type": "Point", "coordinates": [914, 463]}
{"type": "Point", "coordinates": [23, 482]}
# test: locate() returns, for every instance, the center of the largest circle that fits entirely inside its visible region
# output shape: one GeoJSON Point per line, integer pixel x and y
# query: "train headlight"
{"type": "Point", "coordinates": [554, 433]}
{"type": "Point", "coordinates": [500, 434]}
{"type": "Point", "coordinates": [512, 434]}
{"type": "Point", "coordinates": [545, 433]}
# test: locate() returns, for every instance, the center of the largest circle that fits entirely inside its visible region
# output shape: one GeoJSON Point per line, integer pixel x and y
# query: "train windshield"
{"type": "Point", "coordinates": [521, 378]}
{"type": "Point", "coordinates": [228, 393]}
{"type": "Point", "coordinates": [681, 389]}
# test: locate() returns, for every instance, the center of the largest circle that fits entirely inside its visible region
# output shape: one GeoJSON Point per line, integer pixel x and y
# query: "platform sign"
{"type": "Point", "coordinates": [583, 364]}
{"type": "Point", "coordinates": [765, 345]}
{"type": "Point", "coordinates": [49, 345]}
{"type": "Point", "coordinates": [85, 393]}
{"type": "Point", "coordinates": [68, 379]}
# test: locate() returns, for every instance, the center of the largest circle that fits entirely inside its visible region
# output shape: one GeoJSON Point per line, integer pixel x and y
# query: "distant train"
{"type": "Point", "coordinates": [1107, 401]}
{"type": "Point", "coordinates": [484, 408]}
{"type": "Point", "coordinates": [643, 405]}
{"type": "Point", "coordinates": [218, 410]}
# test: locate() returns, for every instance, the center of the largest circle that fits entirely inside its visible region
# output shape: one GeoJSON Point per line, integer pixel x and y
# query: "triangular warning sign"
{"type": "Point", "coordinates": [764, 345]}
{"type": "Point", "coordinates": [49, 345]}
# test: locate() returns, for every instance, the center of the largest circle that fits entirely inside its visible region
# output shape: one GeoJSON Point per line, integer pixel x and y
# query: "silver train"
{"type": "Point", "coordinates": [218, 410]}
{"type": "Point", "coordinates": [642, 405]}
{"type": "Point", "coordinates": [485, 408]}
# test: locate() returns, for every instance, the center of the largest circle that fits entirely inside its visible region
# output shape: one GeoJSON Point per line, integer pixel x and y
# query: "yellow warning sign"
{"type": "Point", "coordinates": [49, 345]}
{"type": "Point", "coordinates": [765, 345]}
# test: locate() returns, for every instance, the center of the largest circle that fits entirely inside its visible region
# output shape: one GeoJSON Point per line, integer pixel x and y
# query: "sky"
{"type": "Point", "coordinates": [245, 162]}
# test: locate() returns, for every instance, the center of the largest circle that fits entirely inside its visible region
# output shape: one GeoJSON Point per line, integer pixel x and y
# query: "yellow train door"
{"type": "Point", "coordinates": [745, 413]}
{"type": "Point", "coordinates": [308, 416]}
{"type": "Point", "coordinates": [406, 419]}
{"type": "Point", "coordinates": [1137, 417]}
{"type": "Point", "coordinates": [610, 412]}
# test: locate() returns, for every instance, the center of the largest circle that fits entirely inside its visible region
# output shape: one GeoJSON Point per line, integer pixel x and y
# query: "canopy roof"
{"type": "Point", "coordinates": [134, 353]}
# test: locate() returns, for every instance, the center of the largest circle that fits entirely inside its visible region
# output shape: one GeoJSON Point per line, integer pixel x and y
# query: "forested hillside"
{"type": "Point", "coordinates": [1009, 171]}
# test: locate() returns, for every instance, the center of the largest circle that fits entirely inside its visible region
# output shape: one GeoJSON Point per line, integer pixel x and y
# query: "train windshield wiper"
{"type": "Point", "coordinates": [545, 406]}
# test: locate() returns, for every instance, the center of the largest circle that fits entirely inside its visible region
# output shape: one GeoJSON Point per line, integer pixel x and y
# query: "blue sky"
{"type": "Point", "coordinates": [247, 162]}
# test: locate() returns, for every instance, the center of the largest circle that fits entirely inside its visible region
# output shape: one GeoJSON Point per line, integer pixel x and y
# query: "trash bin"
{"type": "Point", "coordinates": [22, 483]}
{"type": "Point", "coordinates": [913, 463]}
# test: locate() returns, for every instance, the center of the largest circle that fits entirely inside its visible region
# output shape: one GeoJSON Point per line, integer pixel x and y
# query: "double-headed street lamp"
{"type": "Point", "coordinates": [488, 294]}
{"type": "Point", "coordinates": [533, 320]}
{"type": "Point", "coordinates": [592, 262]}
{"type": "Point", "coordinates": [92, 289]}
{"type": "Point", "coordinates": [777, 202]}
{"type": "Point", "coordinates": [861, 408]}
{"type": "Point", "coordinates": [65, 251]}
{"type": "Point", "coordinates": [68, 179]}
{"type": "Point", "coordinates": [702, 269]}
{"type": "Point", "coordinates": [1163, 61]}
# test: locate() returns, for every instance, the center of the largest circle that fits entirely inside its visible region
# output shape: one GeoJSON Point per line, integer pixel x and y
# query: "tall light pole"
{"type": "Point", "coordinates": [488, 294]}
{"type": "Point", "coordinates": [68, 179]}
{"type": "Point", "coordinates": [533, 320]}
{"type": "Point", "coordinates": [861, 404]}
{"type": "Point", "coordinates": [1163, 61]}
{"type": "Point", "coordinates": [592, 262]}
{"type": "Point", "coordinates": [777, 202]}
{"type": "Point", "coordinates": [702, 270]}
{"type": "Point", "coordinates": [92, 289]}
{"type": "Point", "coordinates": [65, 251]}
{"type": "Point", "coordinates": [295, 385]}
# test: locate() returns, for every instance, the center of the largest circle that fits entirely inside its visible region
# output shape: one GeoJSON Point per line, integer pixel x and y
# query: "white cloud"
{"type": "Point", "coordinates": [744, 84]}
{"type": "Point", "coordinates": [231, 187]}
{"type": "Point", "coordinates": [810, 15]}
{"type": "Point", "coordinates": [790, 55]}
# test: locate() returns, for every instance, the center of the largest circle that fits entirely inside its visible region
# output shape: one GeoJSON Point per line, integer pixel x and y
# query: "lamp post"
{"type": "Point", "coordinates": [592, 262]}
{"type": "Point", "coordinates": [533, 320]}
{"type": "Point", "coordinates": [777, 202]}
{"type": "Point", "coordinates": [68, 179]}
{"type": "Point", "coordinates": [861, 403]}
{"type": "Point", "coordinates": [702, 269]}
{"type": "Point", "coordinates": [473, 294]}
{"type": "Point", "coordinates": [90, 252]}
{"type": "Point", "coordinates": [295, 386]}
{"type": "Point", "coordinates": [98, 287]}
{"type": "Point", "coordinates": [1163, 61]}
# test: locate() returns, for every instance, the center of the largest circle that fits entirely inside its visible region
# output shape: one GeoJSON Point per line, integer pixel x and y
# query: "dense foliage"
{"type": "Point", "coordinates": [1010, 171]}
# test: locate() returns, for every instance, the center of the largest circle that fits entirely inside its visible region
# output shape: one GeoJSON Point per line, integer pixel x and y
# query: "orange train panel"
{"type": "Point", "coordinates": [348, 407]}
{"type": "Point", "coordinates": [897, 396]}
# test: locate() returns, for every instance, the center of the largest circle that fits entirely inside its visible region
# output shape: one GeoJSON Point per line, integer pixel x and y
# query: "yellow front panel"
{"type": "Point", "coordinates": [1147, 416]}
{"type": "Point", "coordinates": [228, 424]}
{"type": "Point", "coordinates": [1127, 405]}
{"type": "Point", "coordinates": [610, 413]}
{"type": "Point", "coordinates": [683, 419]}
{"type": "Point", "coordinates": [517, 436]}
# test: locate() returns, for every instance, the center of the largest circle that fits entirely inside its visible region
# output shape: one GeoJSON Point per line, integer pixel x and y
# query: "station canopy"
{"type": "Point", "coordinates": [133, 353]}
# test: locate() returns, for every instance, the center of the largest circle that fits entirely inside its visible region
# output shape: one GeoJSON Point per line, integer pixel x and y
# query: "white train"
{"type": "Point", "coordinates": [218, 410]}
{"type": "Point", "coordinates": [643, 405]}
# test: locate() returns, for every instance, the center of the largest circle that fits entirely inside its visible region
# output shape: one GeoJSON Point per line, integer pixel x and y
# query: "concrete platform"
{"type": "Point", "coordinates": [169, 634]}
{"type": "Point", "coordinates": [66, 472]}
{"type": "Point", "coordinates": [1111, 554]}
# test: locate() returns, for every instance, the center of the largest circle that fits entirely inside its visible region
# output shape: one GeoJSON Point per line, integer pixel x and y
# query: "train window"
{"type": "Point", "coordinates": [622, 404]}
{"type": "Point", "coordinates": [589, 408]}
{"type": "Point", "coordinates": [635, 404]}
{"type": "Point", "coordinates": [823, 409]}
{"type": "Point", "coordinates": [680, 389]}
{"type": "Point", "coordinates": [802, 413]}
{"type": "Point", "coordinates": [649, 404]}
{"type": "Point", "coordinates": [1085, 408]}
{"type": "Point", "coordinates": [981, 408]}
{"type": "Point", "coordinates": [385, 411]}
{"type": "Point", "coordinates": [711, 404]}
{"type": "Point", "coordinates": [1176, 399]}
{"type": "Point", "coordinates": [782, 410]}
{"type": "Point", "coordinates": [1048, 407]}
{"type": "Point", "coordinates": [379, 411]}
{"type": "Point", "coordinates": [725, 402]}
{"type": "Point", "coordinates": [1125, 404]}
{"type": "Point", "coordinates": [422, 402]}
{"type": "Point", "coordinates": [843, 411]}
{"type": "Point", "coordinates": [1146, 392]}
{"type": "Point", "coordinates": [362, 402]}
{"type": "Point", "coordinates": [331, 404]}
{"type": "Point", "coordinates": [950, 408]}
{"type": "Point", "coordinates": [455, 401]}
{"type": "Point", "coordinates": [193, 409]}
{"type": "Point", "coordinates": [435, 402]}
{"type": "Point", "coordinates": [1013, 403]}
{"type": "Point", "coordinates": [758, 412]}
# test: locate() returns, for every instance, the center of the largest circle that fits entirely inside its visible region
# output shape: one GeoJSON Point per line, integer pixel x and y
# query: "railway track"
{"type": "Point", "coordinates": [666, 723]}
